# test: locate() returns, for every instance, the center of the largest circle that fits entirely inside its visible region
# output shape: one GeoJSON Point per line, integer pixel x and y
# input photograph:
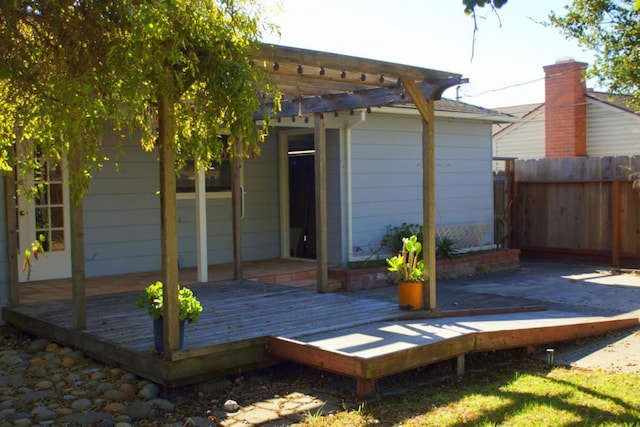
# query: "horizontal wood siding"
{"type": "Point", "coordinates": [260, 226]}
{"type": "Point", "coordinates": [523, 140]}
{"type": "Point", "coordinates": [219, 236]}
{"type": "Point", "coordinates": [261, 223]}
{"type": "Point", "coordinates": [568, 204]}
{"type": "Point", "coordinates": [611, 131]}
{"type": "Point", "coordinates": [387, 176]}
{"type": "Point", "coordinates": [122, 211]}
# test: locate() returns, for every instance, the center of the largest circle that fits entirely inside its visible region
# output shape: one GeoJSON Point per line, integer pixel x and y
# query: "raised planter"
{"type": "Point", "coordinates": [467, 265]}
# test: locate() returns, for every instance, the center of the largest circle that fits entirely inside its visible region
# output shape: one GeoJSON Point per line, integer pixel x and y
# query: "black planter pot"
{"type": "Point", "coordinates": [157, 334]}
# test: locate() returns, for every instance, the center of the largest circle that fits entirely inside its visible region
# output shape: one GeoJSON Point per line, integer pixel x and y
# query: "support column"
{"type": "Point", "coordinates": [236, 208]}
{"type": "Point", "coordinates": [201, 225]}
{"type": "Point", "coordinates": [13, 297]}
{"type": "Point", "coordinates": [168, 226]}
{"type": "Point", "coordinates": [320, 144]}
{"type": "Point", "coordinates": [76, 220]}
{"type": "Point", "coordinates": [426, 109]}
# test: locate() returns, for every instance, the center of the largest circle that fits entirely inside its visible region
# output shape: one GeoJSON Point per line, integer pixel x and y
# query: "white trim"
{"type": "Point", "coordinates": [347, 177]}
{"type": "Point", "coordinates": [201, 226]}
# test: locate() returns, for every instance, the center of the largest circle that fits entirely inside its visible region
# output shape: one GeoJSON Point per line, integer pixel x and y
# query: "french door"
{"type": "Point", "coordinates": [44, 217]}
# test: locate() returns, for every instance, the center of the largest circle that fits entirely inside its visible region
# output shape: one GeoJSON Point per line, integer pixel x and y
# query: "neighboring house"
{"type": "Point", "coordinates": [572, 122]}
{"type": "Point", "coordinates": [374, 180]}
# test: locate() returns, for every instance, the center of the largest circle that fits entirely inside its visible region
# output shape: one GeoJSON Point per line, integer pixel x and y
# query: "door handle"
{"type": "Point", "coordinates": [22, 212]}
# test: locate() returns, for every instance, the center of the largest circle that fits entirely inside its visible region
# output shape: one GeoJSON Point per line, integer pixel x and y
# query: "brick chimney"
{"type": "Point", "coordinates": [565, 109]}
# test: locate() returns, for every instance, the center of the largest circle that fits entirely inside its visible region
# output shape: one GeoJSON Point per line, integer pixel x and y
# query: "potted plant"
{"type": "Point", "coordinates": [151, 299]}
{"type": "Point", "coordinates": [411, 275]}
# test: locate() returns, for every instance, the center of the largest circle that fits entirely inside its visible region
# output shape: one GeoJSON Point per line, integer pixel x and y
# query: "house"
{"type": "Point", "coordinates": [573, 121]}
{"type": "Point", "coordinates": [374, 178]}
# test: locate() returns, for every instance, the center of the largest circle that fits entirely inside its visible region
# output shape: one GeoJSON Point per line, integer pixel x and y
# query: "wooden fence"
{"type": "Point", "coordinates": [577, 209]}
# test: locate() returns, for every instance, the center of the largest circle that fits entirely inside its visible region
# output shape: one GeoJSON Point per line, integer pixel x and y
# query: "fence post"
{"type": "Point", "coordinates": [509, 169]}
{"type": "Point", "coordinates": [616, 212]}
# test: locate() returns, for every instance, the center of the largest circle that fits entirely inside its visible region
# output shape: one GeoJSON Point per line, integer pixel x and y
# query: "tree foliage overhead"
{"type": "Point", "coordinates": [67, 67]}
{"type": "Point", "coordinates": [470, 5]}
{"type": "Point", "coordinates": [611, 28]}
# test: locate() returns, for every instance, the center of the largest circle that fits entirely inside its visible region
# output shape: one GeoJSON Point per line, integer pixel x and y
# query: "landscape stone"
{"type": "Point", "coordinates": [139, 410]}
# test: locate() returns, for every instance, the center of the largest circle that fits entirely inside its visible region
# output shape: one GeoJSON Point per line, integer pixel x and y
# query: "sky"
{"type": "Point", "coordinates": [510, 49]}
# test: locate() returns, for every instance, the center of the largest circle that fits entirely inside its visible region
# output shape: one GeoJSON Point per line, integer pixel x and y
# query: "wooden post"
{"type": "Point", "coordinates": [236, 208]}
{"type": "Point", "coordinates": [460, 364]}
{"type": "Point", "coordinates": [320, 143]}
{"type": "Point", "coordinates": [169, 228]}
{"type": "Point", "coordinates": [616, 213]}
{"type": "Point", "coordinates": [365, 388]}
{"type": "Point", "coordinates": [76, 220]}
{"type": "Point", "coordinates": [426, 109]}
{"type": "Point", "coordinates": [510, 229]}
{"type": "Point", "coordinates": [13, 296]}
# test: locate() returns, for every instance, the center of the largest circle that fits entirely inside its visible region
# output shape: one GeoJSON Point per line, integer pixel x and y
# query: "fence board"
{"type": "Point", "coordinates": [567, 204]}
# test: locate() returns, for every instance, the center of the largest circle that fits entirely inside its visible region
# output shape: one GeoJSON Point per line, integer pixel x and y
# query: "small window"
{"type": "Point", "coordinates": [217, 178]}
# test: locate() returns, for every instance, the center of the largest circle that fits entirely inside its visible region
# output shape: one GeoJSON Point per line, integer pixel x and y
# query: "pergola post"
{"type": "Point", "coordinates": [168, 227]}
{"type": "Point", "coordinates": [13, 296]}
{"type": "Point", "coordinates": [76, 220]}
{"type": "Point", "coordinates": [320, 145]}
{"type": "Point", "coordinates": [236, 208]}
{"type": "Point", "coordinates": [426, 109]}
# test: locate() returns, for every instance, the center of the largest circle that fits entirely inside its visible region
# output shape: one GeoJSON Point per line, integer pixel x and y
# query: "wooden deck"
{"type": "Point", "coordinates": [231, 335]}
{"type": "Point", "coordinates": [249, 324]}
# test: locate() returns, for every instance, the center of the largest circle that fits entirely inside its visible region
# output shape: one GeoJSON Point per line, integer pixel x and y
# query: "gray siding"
{"type": "Point", "coordinates": [122, 212]}
{"type": "Point", "coordinates": [387, 177]}
{"type": "Point", "coordinates": [122, 215]}
{"type": "Point", "coordinates": [611, 131]}
{"type": "Point", "coordinates": [260, 226]}
{"type": "Point", "coordinates": [523, 140]}
{"type": "Point", "coordinates": [4, 272]}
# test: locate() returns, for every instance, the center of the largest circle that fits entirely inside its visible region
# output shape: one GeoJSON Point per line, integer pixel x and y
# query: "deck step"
{"type": "Point", "coordinates": [378, 349]}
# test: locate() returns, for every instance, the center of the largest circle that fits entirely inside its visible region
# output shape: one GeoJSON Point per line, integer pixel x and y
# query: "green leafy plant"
{"type": "Point", "coordinates": [151, 299]}
{"type": "Point", "coordinates": [31, 254]}
{"type": "Point", "coordinates": [407, 263]}
{"type": "Point", "coordinates": [392, 239]}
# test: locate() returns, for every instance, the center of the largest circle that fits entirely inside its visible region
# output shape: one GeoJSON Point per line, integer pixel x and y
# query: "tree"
{"type": "Point", "coordinates": [69, 66]}
{"type": "Point", "coordinates": [470, 5]}
{"type": "Point", "coordinates": [179, 71]}
{"type": "Point", "coordinates": [611, 28]}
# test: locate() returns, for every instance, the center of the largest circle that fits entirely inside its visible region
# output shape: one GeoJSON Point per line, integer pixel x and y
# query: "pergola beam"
{"type": "Point", "coordinates": [351, 101]}
{"type": "Point", "coordinates": [273, 54]}
{"type": "Point", "coordinates": [426, 108]}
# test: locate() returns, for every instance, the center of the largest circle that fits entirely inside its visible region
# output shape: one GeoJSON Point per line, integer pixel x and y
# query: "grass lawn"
{"type": "Point", "coordinates": [529, 393]}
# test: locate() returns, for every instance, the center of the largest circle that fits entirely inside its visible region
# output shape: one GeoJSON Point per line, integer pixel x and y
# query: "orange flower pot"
{"type": "Point", "coordinates": [410, 295]}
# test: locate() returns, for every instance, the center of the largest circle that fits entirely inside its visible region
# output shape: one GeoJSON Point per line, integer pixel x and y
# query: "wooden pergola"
{"type": "Point", "coordinates": [314, 84]}
{"type": "Point", "coordinates": [317, 83]}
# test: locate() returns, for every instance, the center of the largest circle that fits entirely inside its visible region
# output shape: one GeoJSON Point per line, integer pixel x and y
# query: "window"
{"type": "Point", "coordinates": [217, 178]}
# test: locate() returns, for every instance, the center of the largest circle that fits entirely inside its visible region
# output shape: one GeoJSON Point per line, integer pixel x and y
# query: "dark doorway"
{"type": "Point", "coordinates": [302, 196]}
